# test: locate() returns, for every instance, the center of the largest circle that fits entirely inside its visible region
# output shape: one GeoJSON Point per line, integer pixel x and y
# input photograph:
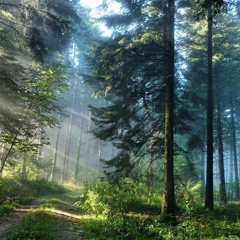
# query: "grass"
{"type": "Point", "coordinates": [6, 209]}
{"type": "Point", "coordinates": [123, 213]}
{"type": "Point", "coordinates": [197, 225]}
{"type": "Point", "coordinates": [14, 193]}
{"type": "Point", "coordinates": [129, 213]}
{"type": "Point", "coordinates": [36, 224]}
{"type": "Point", "coordinates": [39, 223]}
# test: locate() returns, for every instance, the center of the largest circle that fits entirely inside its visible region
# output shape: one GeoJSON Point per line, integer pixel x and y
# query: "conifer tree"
{"type": "Point", "coordinates": [136, 75]}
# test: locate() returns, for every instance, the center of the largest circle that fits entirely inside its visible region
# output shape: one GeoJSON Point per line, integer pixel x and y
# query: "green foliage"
{"type": "Point", "coordinates": [43, 187]}
{"type": "Point", "coordinates": [34, 111]}
{"type": "Point", "coordinates": [15, 192]}
{"type": "Point", "coordinates": [127, 211]}
{"type": "Point", "coordinates": [5, 209]}
{"type": "Point", "coordinates": [52, 203]}
{"type": "Point", "coordinates": [35, 225]}
{"type": "Point", "coordinates": [119, 205]}
{"type": "Point", "coordinates": [199, 224]}
{"type": "Point", "coordinates": [35, 26]}
{"type": "Point", "coordinates": [111, 200]}
{"type": "Point", "coordinates": [188, 196]}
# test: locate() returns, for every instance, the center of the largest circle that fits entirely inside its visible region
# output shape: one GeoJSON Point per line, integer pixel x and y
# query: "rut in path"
{"type": "Point", "coordinates": [67, 223]}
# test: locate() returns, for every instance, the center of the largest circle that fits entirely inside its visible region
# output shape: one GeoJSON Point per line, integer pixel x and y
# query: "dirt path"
{"type": "Point", "coordinates": [67, 222]}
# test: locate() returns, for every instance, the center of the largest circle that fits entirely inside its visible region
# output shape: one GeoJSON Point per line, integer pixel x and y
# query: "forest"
{"type": "Point", "coordinates": [119, 119]}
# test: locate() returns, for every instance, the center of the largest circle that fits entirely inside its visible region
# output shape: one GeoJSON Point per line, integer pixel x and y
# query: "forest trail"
{"type": "Point", "coordinates": [67, 220]}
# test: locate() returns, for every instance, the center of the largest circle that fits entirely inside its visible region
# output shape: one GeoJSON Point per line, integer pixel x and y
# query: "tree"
{"type": "Point", "coordinates": [222, 186]}
{"type": "Point", "coordinates": [125, 120]}
{"type": "Point", "coordinates": [136, 76]}
{"type": "Point", "coordinates": [209, 176]}
{"type": "Point", "coordinates": [34, 112]}
{"type": "Point", "coordinates": [168, 202]}
{"type": "Point", "coordinates": [234, 149]}
{"type": "Point", "coordinates": [212, 8]}
{"type": "Point", "coordinates": [28, 29]}
{"type": "Point", "coordinates": [37, 23]}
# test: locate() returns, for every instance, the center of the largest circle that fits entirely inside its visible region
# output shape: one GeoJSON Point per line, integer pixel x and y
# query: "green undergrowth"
{"type": "Point", "coordinates": [64, 202]}
{"type": "Point", "coordinates": [129, 211]}
{"type": "Point", "coordinates": [36, 224]}
{"type": "Point", "coordinates": [14, 193]}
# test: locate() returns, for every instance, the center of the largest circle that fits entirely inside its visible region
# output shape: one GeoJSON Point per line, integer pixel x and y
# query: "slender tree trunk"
{"type": "Point", "coordinates": [70, 127]}
{"type": "Point", "coordinates": [8, 152]}
{"type": "Point", "coordinates": [55, 154]}
{"type": "Point", "coordinates": [202, 173]}
{"type": "Point", "coordinates": [150, 174]}
{"type": "Point", "coordinates": [65, 161]}
{"type": "Point", "coordinates": [209, 203]}
{"type": "Point", "coordinates": [168, 200]}
{"type": "Point", "coordinates": [150, 169]}
{"type": "Point", "coordinates": [78, 154]}
{"type": "Point", "coordinates": [100, 146]}
{"type": "Point", "coordinates": [231, 163]}
{"type": "Point", "coordinates": [80, 139]}
{"type": "Point", "coordinates": [88, 139]}
{"type": "Point", "coordinates": [24, 165]}
{"type": "Point", "coordinates": [68, 139]}
{"type": "Point", "coordinates": [24, 168]}
{"type": "Point", "coordinates": [234, 150]}
{"type": "Point", "coordinates": [222, 186]}
{"type": "Point", "coordinates": [65, 164]}
{"type": "Point", "coordinates": [39, 156]}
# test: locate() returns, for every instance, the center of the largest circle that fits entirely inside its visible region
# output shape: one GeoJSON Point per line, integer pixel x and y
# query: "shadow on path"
{"type": "Point", "coordinates": [67, 222]}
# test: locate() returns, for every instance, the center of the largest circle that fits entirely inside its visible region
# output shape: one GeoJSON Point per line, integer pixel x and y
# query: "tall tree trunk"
{"type": "Point", "coordinates": [150, 170]}
{"type": "Point", "coordinates": [24, 168]}
{"type": "Point", "coordinates": [39, 156]}
{"type": "Point", "coordinates": [80, 138]}
{"type": "Point", "coordinates": [234, 150]}
{"type": "Point", "coordinates": [55, 154]}
{"type": "Point", "coordinates": [100, 147]}
{"type": "Point", "coordinates": [69, 132]}
{"type": "Point", "coordinates": [231, 162]}
{"type": "Point", "coordinates": [202, 172]}
{"type": "Point", "coordinates": [65, 170]}
{"type": "Point", "coordinates": [168, 200]}
{"type": "Point", "coordinates": [88, 139]}
{"type": "Point", "coordinates": [24, 164]}
{"type": "Point", "coordinates": [222, 186]}
{"type": "Point", "coordinates": [150, 174]}
{"type": "Point", "coordinates": [70, 127]}
{"type": "Point", "coordinates": [8, 152]}
{"type": "Point", "coordinates": [209, 203]}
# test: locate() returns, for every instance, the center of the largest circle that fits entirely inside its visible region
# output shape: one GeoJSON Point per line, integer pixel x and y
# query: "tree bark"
{"type": "Point", "coordinates": [234, 150]}
{"type": "Point", "coordinates": [65, 163]}
{"type": "Point", "coordinates": [209, 203]}
{"type": "Point", "coordinates": [80, 138]}
{"type": "Point", "coordinates": [54, 163]}
{"type": "Point", "coordinates": [69, 133]}
{"type": "Point", "coordinates": [168, 200]}
{"type": "Point", "coordinates": [222, 185]}
{"type": "Point", "coordinates": [70, 127]}
{"type": "Point", "coordinates": [231, 163]}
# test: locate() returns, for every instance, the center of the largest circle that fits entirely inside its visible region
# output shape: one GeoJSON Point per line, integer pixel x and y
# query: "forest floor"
{"type": "Point", "coordinates": [67, 223]}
